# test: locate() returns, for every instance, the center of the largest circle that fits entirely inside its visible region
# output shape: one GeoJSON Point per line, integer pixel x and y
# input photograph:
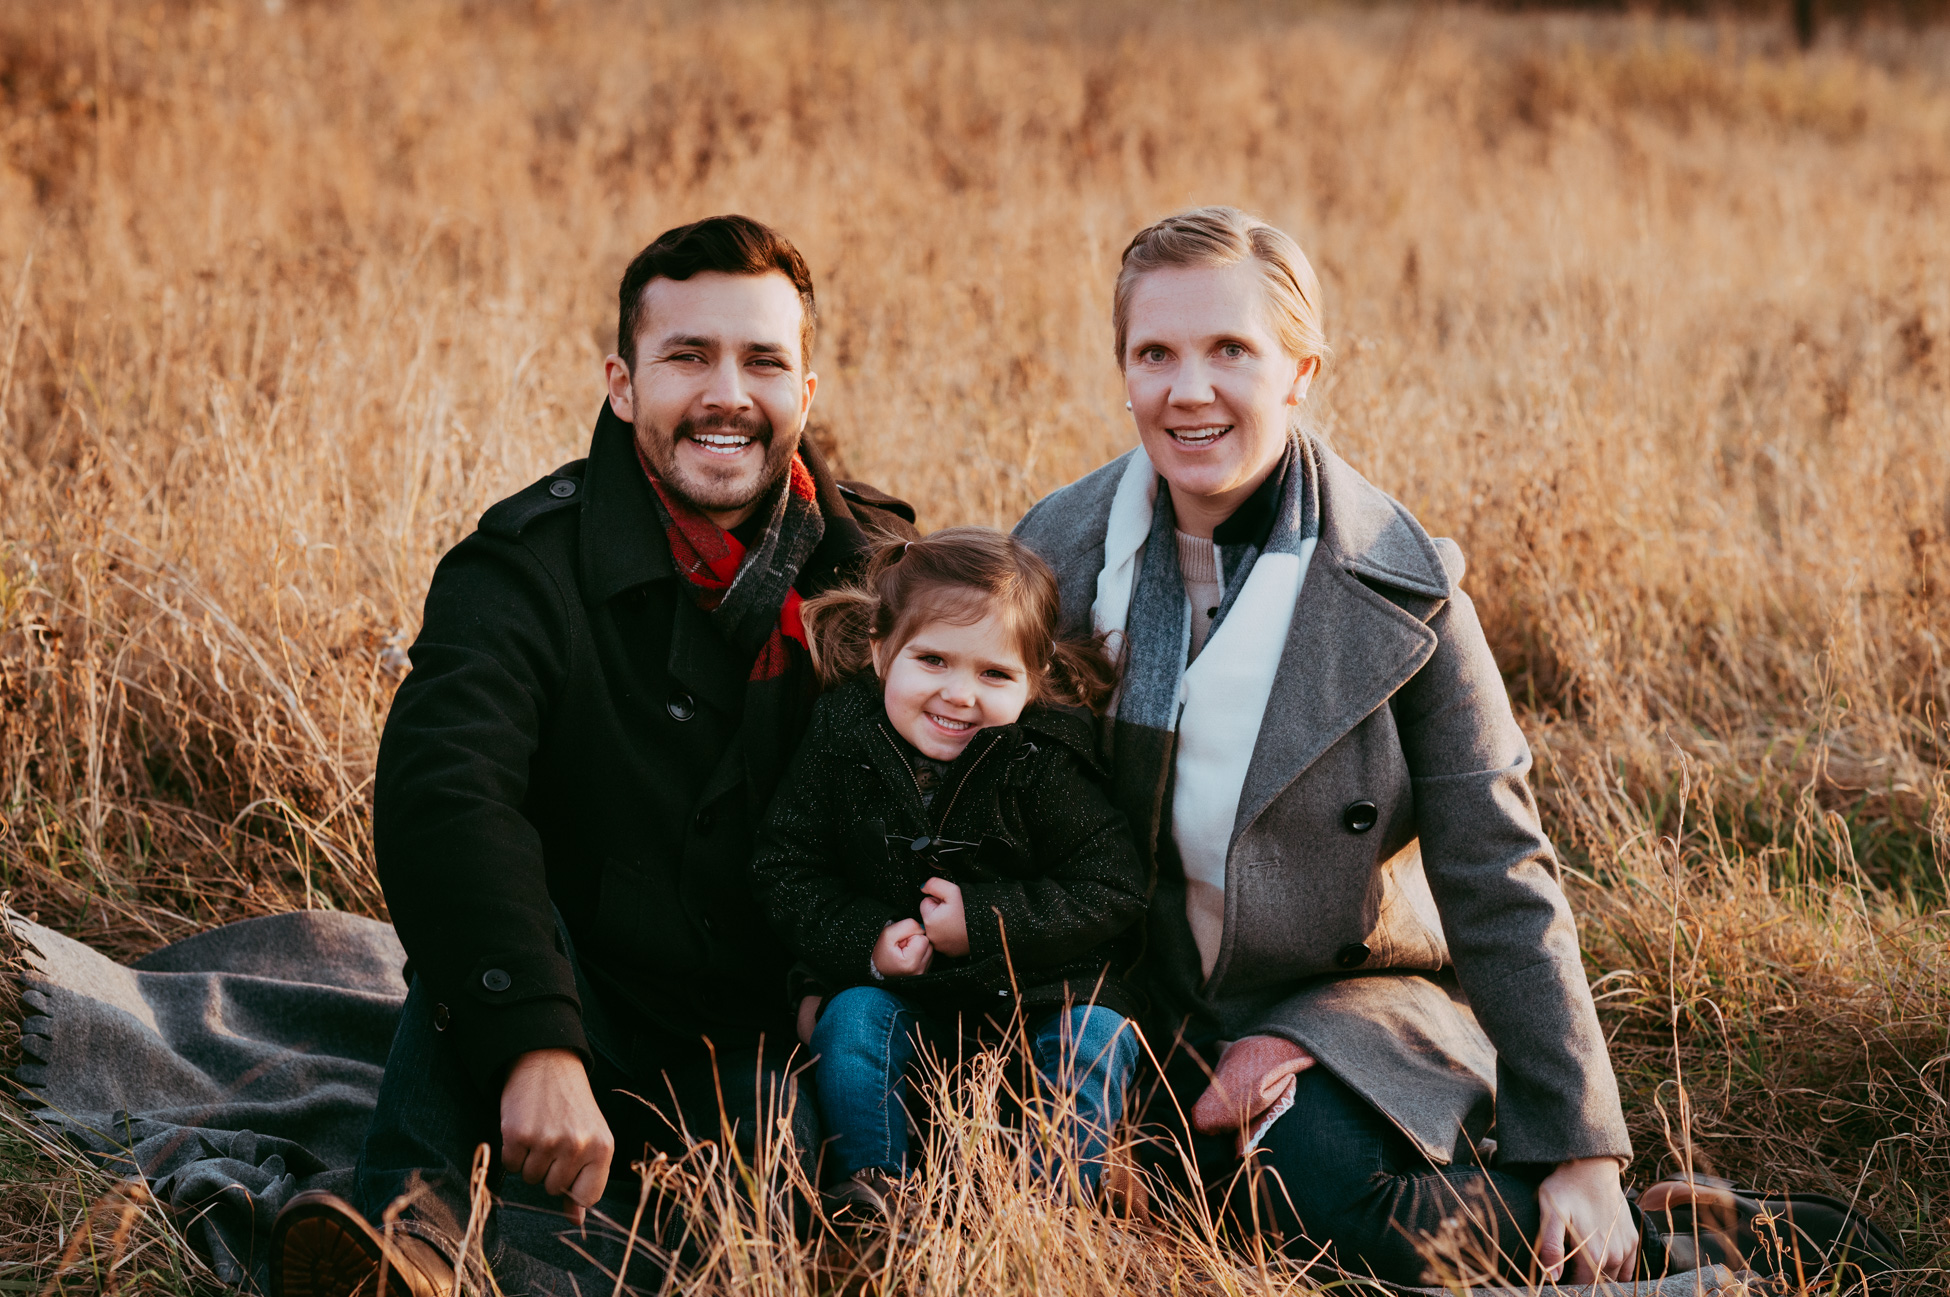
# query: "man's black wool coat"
{"type": "Point", "coordinates": [1022, 823]}
{"type": "Point", "coordinates": [569, 739]}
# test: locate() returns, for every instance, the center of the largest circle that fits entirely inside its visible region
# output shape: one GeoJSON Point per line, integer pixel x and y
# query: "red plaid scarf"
{"type": "Point", "coordinates": [710, 558]}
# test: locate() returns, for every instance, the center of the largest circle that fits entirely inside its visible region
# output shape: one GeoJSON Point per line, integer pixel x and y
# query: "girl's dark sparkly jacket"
{"type": "Point", "coordinates": [1021, 823]}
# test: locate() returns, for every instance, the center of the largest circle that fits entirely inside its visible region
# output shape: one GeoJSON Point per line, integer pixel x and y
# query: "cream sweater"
{"type": "Point", "coordinates": [1198, 568]}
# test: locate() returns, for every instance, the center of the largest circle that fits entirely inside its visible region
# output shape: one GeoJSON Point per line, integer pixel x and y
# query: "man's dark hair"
{"type": "Point", "coordinates": [730, 245]}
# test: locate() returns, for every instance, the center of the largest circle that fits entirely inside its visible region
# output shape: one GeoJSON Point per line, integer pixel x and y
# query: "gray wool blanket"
{"type": "Point", "coordinates": [233, 1070]}
{"type": "Point", "coordinates": [239, 1067]}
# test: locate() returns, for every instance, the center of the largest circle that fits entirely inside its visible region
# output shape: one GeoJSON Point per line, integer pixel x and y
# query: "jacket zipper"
{"type": "Point", "coordinates": [915, 779]}
{"type": "Point", "coordinates": [908, 765]}
{"type": "Point", "coordinates": [942, 824]}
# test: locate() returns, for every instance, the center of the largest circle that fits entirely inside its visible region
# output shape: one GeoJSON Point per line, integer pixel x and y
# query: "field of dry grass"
{"type": "Point", "coordinates": [1653, 318]}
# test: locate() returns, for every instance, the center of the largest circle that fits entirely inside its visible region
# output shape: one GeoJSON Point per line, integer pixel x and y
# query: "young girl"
{"type": "Point", "coordinates": [943, 843]}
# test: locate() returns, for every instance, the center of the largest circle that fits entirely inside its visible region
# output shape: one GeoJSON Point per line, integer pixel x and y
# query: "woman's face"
{"type": "Point", "coordinates": [1211, 386]}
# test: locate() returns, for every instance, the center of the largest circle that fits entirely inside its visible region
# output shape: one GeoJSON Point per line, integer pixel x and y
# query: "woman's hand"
{"type": "Point", "coordinates": [903, 950]}
{"type": "Point", "coordinates": [1586, 1221]}
{"type": "Point", "coordinates": [942, 913]}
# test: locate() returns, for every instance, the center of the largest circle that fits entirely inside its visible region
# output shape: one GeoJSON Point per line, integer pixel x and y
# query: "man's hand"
{"type": "Point", "coordinates": [903, 950]}
{"type": "Point", "coordinates": [941, 911]}
{"type": "Point", "coordinates": [808, 1018]}
{"type": "Point", "coordinates": [552, 1132]}
{"type": "Point", "coordinates": [1585, 1217]}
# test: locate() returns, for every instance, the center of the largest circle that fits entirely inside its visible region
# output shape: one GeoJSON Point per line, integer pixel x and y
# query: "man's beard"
{"type": "Point", "coordinates": [710, 493]}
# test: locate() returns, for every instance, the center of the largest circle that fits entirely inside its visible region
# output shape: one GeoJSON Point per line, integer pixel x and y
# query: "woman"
{"type": "Point", "coordinates": [1314, 745]}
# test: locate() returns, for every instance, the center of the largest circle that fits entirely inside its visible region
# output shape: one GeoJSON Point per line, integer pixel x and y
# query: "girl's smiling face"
{"type": "Point", "coordinates": [950, 680]}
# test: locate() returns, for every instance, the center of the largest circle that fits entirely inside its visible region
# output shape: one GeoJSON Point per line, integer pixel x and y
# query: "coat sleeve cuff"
{"type": "Point", "coordinates": [1515, 1145]}
{"type": "Point", "coordinates": [983, 918]}
{"type": "Point", "coordinates": [491, 1039]}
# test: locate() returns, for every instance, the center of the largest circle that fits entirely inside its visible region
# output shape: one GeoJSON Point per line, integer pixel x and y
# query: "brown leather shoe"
{"type": "Point", "coordinates": [321, 1247]}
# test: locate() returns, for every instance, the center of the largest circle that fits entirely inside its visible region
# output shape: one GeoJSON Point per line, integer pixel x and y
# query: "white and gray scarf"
{"type": "Point", "coordinates": [1193, 728]}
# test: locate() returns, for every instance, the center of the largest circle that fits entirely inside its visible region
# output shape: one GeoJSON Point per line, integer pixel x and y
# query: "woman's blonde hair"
{"type": "Point", "coordinates": [1225, 236]}
{"type": "Point", "coordinates": [960, 575]}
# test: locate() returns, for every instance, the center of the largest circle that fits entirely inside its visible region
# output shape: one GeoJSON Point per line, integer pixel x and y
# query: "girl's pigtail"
{"type": "Point", "coordinates": [1081, 673]}
{"type": "Point", "coordinates": [839, 627]}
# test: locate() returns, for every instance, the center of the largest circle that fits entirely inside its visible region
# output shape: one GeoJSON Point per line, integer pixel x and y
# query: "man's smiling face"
{"type": "Point", "coordinates": [719, 393]}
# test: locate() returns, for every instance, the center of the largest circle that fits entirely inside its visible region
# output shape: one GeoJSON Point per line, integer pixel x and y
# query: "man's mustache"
{"type": "Point", "coordinates": [743, 425]}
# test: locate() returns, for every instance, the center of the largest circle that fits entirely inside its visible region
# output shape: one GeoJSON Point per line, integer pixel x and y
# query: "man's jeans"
{"type": "Point", "coordinates": [868, 1040]}
{"type": "Point", "coordinates": [431, 1117]}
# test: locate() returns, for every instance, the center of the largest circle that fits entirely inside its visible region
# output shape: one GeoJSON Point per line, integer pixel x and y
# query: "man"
{"type": "Point", "coordinates": [610, 677]}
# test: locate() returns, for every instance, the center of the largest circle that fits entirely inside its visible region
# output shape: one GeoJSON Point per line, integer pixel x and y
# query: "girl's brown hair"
{"type": "Point", "coordinates": [959, 574]}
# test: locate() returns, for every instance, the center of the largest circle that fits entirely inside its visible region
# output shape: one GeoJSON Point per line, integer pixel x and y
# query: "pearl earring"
{"type": "Point", "coordinates": [1127, 405]}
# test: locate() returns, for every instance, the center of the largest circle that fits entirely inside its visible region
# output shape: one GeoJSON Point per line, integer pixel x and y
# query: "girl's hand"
{"type": "Point", "coordinates": [941, 911]}
{"type": "Point", "coordinates": [903, 950]}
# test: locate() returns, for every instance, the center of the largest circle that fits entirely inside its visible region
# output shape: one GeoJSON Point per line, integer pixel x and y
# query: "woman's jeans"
{"type": "Point", "coordinates": [869, 1039]}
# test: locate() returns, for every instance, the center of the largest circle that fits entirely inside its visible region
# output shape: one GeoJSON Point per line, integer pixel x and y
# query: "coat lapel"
{"type": "Point", "coordinates": [700, 659]}
{"type": "Point", "coordinates": [1350, 648]}
{"type": "Point", "coordinates": [1348, 652]}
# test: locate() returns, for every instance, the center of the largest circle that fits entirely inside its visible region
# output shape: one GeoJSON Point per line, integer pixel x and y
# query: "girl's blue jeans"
{"type": "Point", "coordinates": [868, 1040]}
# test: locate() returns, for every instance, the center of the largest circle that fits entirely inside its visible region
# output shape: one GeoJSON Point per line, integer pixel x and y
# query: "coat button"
{"type": "Point", "coordinates": [497, 979]}
{"type": "Point", "coordinates": [1352, 955]}
{"type": "Point", "coordinates": [704, 821]}
{"type": "Point", "coordinates": [441, 1017]}
{"type": "Point", "coordinates": [561, 488]}
{"type": "Point", "coordinates": [1359, 817]}
{"type": "Point", "coordinates": [681, 706]}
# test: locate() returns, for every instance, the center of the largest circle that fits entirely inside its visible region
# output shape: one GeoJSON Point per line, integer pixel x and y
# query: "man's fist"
{"type": "Point", "coordinates": [942, 914]}
{"type": "Point", "coordinates": [903, 950]}
{"type": "Point", "coordinates": [552, 1132]}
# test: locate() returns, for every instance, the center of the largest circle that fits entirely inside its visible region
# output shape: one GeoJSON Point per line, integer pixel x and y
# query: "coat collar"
{"type": "Point", "coordinates": [1372, 534]}
{"type": "Point", "coordinates": [1362, 530]}
{"type": "Point", "coordinates": [623, 544]}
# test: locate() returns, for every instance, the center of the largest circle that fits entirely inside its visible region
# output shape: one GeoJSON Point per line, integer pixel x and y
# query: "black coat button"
{"type": "Point", "coordinates": [561, 488]}
{"type": "Point", "coordinates": [681, 706]}
{"type": "Point", "coordinates": [441, 1017]}
{"type": "Point", "coordinates": [1352, 955]}
{"type": "Point", "coordinates": [1359, 817]}
{"type": "Point", "coordinates": [704, 820]}
{"type": "Point", "coordinates": [497, 979]}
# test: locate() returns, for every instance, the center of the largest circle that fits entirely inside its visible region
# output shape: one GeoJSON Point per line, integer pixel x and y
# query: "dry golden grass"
{"type": "Point", "coordinates": [1653, 318]}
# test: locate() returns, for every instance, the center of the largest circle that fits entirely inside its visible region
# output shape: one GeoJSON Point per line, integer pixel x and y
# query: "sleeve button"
{"type": "Point", "coordinates": [561, 488]}
{"type": "Point", "coordinates": [1352, 955]}
{"type": "Point", "coordinates": [1359, 817]}
{"type": "Point", "coordinates": [496, 979]}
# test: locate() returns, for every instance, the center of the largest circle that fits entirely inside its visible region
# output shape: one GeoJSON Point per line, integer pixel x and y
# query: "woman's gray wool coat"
{"type": "Point", "coordinates": [1422, 950]}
